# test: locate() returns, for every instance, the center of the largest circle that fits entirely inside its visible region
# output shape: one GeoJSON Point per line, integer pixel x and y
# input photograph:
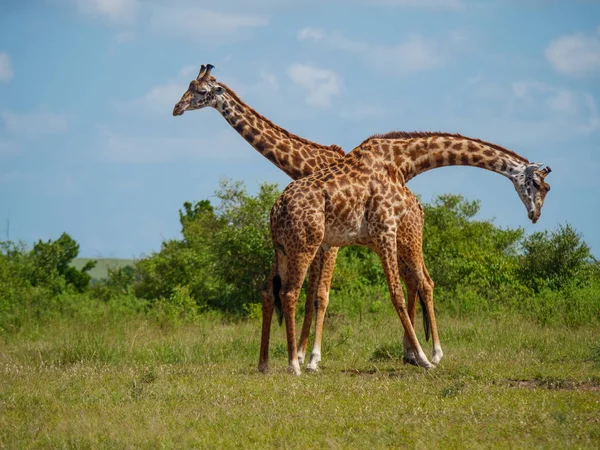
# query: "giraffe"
{"type": "Point", "coordinates": [299, 157]}
{"type": "Point", "coordinates": [359, 201]}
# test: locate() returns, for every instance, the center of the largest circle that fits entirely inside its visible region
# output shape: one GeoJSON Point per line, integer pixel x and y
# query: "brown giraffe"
{"type": "Point", "coordinates": [299, 157]}
{"type": "Point", "coordinates": [359, 201]}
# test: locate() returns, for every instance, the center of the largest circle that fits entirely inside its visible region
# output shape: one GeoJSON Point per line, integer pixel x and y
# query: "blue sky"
{"type": "Point", "coordinates": [88, 144]}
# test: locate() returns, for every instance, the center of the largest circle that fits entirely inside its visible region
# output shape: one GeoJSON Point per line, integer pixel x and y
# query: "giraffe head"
{"type": "Point", "coordinates": [532, 188]}
{"type": "Point", "coordinates": [203, 91]}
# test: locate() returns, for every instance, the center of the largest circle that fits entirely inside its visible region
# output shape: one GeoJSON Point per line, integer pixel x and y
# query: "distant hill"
{"type": "Point", "coordinates": [102, 265]}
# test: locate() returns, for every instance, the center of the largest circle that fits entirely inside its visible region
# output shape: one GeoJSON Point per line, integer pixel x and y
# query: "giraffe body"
{"type": "Point", "coordinates": [361, 200]}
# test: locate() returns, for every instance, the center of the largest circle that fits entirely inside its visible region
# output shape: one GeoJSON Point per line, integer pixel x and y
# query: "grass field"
{"type": "Point", "coordinates": [102, 265]}
{"type": "Point", "coordinates": [115, 383]}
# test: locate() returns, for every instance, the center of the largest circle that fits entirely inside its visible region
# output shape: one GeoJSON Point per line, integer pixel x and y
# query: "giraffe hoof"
{"type": "Point", "coordinates": [312, 368]}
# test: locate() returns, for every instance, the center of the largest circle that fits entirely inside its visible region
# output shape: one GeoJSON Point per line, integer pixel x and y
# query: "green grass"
{"type": "Point", "coordinates": [102, 265]}
{"type": "Point", "coordinates": [131, 383]}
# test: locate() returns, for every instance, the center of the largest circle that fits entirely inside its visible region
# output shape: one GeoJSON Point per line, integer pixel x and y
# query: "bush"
{"type": "Point", "coordinates": [556, 259]}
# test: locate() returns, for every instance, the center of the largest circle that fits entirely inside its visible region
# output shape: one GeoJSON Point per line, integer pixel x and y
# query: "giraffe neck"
{"type": "Point", "coordinates": [415, 153]}
{"type": "Point", "coordinates": [294, 155]}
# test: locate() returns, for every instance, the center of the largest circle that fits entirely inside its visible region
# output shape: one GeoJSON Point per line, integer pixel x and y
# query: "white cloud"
{"type": "Point", "coordinates": [563, 101]}
{"type": "Point", "coordinates": [575, 54]}
{"type": "Point", "coordinates": [6, 69]}
{"type": "Point", "coordinates": [321, 85]}
{"type": "Point", "coordinates": [116, 11]}
{"type": "Point", "coordinates": [524, 111]}
{"type": "Point", "coordinates": [593, 123]}
{"type": "Point", "coordinates": [202, 26]}
{"type": "Point", "coordinates": [565, 109]}
{"type": "Point", "coordinates": [32, 124]}
{"type": "Point", "coordinates": [313, 34]}
{"type": "Point", "coordinates": [415, 54]}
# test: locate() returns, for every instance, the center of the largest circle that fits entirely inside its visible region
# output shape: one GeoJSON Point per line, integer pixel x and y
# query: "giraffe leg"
{"type": "Point", "coordinates": [420, 284]}
{"type": "Point", "coordinates": [327, 265]}
{"type": "Point", "coordinates": [387, 251]}
{"type": "Point", "coordinates": [428, 286]}
{"type": "Point", "coordinates": [314, 274]}
{"type": "Point", "coordinates": [412, 286]}
{"type": "Point", "coordinates": [296, 267]}
{"type": "Point", "coordinates": [268, 304]}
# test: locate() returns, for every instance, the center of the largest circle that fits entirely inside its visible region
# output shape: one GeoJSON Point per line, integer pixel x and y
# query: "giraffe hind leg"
{"type": "Point", "coordinates": [291, 281]}
{"type": "Point", "coordinates": [327, 265]}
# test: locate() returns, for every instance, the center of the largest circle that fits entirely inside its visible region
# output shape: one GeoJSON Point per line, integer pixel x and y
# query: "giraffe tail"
{"type": "Point", "coordinates": [276, 290]}
{"type": "Point", "coordinates": [426, 322]}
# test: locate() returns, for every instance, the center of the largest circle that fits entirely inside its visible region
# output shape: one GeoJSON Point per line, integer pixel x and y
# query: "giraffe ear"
{"type": "Point", "coordinates": [545, 171]}
{"type": "Point", "coordinates": [218, 89]}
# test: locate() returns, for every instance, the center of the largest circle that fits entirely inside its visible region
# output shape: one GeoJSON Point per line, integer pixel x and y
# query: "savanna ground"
{"type": "Point", "coordinates": [113, 382]}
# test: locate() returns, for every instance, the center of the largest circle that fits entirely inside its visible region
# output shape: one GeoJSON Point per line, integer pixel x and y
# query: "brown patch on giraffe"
{"type": "Point", "coordinates": [296, 159]}
{"type": "Point", "coordinates": [239, 126]}
{"type": "Point", "coordinates": [439, 159]}
{"type": "Point", "coordinates": [457, 146]}
{"type": "Point", "coordinates": [452, 158]}
{"type": "Point", "coordinates": [464, 159]}
{"type": "Point", "coordinates": [251, 133]}
{"type": "Point", "coordinates": [424, 165]}
{"type": "Point", "coordinates": [488, 152]}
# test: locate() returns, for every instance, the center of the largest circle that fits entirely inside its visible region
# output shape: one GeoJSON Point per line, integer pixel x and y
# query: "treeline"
{"type": "Point", "coordinates": [224, 255]}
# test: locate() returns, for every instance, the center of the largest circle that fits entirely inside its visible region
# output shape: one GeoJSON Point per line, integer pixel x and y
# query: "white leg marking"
{"type": "Point", "coordinates": [294, 367]}
{"type": "Point", "coordinates": [315, 359]}
{"type": "Point", "coordinates": [437, 354]}
{"type": "Point", "coordinates": [301, 357]}
{"type": "Point", "coordinates": [423, 361]}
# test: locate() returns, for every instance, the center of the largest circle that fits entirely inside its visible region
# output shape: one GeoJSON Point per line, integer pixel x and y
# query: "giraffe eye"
{"type": "Point", "coordinates": [535, 184]}
{"type": "Point", "coordinates": [202, 91]}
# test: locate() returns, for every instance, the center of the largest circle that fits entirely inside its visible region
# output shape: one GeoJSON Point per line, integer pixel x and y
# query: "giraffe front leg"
{"type": "Point", "coordinates": [312, 289]}
{"type": "Point", "coordinates": [268, 305]}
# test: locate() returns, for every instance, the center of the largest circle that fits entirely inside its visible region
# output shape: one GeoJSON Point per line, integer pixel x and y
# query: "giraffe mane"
{"type": "Point", "coordinates": [335, 148]}
{"type": "Point", "coordinates": [426, 134]}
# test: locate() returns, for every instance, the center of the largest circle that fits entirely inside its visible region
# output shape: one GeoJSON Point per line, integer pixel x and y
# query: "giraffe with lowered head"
{"type": "Point", "coordinates": [299, 157]}
{"type": "Point", "coordinates": [360, 200]}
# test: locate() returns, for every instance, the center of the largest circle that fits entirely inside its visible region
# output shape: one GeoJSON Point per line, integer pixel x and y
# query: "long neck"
{"type": "Point", "coordinates": [415, 153]}
{"type": "Point", "coordinates": [294, 155]}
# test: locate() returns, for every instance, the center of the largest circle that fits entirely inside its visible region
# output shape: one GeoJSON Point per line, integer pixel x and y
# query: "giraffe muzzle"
{"type": "Point", "coordinates": [179, 109]}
